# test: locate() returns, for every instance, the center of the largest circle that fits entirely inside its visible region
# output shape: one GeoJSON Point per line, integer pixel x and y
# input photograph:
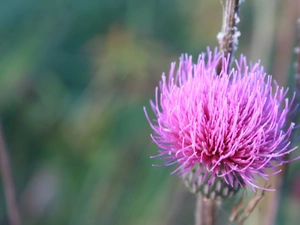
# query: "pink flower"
{"type": "Point", "coordinates": [232, 126]}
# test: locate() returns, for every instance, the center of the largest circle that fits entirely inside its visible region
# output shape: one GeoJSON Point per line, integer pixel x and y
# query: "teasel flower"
{"type": "Point", "coordinates": [223, 130]}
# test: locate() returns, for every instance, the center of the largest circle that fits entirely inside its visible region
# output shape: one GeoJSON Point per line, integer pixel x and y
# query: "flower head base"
{"type": "Point", "coordinates": [231, 126]}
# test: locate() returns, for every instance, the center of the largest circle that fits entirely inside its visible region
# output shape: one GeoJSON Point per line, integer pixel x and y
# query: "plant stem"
{"type": "Point", "coordinates": [228, 37]}
{"type": "Point", "coordinates": [205, 211]}
{"type": "Point", "coordinates": [12, 209]}
{"type": "Point", "coordinates": [228, 40]}
{"type": "Point", "coordinates": [297, 78]}
{"type": "Point", "coordinates": [274, 203]}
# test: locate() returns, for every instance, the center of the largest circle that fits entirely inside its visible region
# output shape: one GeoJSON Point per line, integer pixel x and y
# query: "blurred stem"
{"type": "Point", "coordinates": [228, 37]}
{"type": "Point", "coordinates": [10, 197]}
{"type": "Point", "coordinates": [297, 78]}
{"type": "Point", "coordinates": [274, 203]}
{"type": "Point", "coordinates": [205, 211]}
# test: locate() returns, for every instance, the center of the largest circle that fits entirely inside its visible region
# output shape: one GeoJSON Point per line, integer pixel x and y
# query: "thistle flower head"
{"type": "Point", "coordinates": [231, 126]}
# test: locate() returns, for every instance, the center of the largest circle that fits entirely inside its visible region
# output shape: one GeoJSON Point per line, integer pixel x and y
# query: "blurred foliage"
{"type": "Point", "coordinates": [74, 78]}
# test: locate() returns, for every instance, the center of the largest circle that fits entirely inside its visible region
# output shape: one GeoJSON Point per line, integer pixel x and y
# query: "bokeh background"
{"type": "Point", "coordinates": [74, 77]}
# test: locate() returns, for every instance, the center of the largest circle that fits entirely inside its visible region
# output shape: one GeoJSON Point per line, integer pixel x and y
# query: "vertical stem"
{"type": "Point", "coordinates": [274, 203]}
{"type": "Point", "coordinates": [228, 40]}
{"type": "Point", "coordinates": [284, 39]}
{"type": "Point", "coordinates": [205, 211]}
{"type": "Point", "coordinates": [10, 197]}
{"type": "Point", "coordinates": [297, 78]}
{"type": "Point", "coordinates": [228, 37]}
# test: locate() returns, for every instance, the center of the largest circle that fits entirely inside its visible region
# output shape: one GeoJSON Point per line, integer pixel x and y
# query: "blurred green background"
{"type": "Point", "coordinates": [74, 76]}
